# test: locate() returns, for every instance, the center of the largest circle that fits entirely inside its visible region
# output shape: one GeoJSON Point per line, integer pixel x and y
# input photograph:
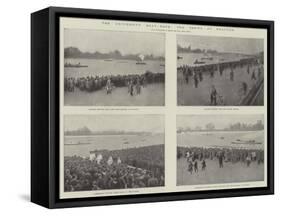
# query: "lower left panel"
{"type": "Point", "coordinates": [112, 154]}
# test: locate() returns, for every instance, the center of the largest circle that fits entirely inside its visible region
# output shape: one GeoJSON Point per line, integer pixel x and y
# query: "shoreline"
{"type": "Point", "coordinates": [118, 97]}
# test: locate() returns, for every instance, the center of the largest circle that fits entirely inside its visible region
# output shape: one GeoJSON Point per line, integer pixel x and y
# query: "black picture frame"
{"type": "Point", "coordinates": [45, 106]}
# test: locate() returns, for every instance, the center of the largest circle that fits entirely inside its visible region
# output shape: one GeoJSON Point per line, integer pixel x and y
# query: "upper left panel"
{"type": "Point", "coordinates": [113, 68]}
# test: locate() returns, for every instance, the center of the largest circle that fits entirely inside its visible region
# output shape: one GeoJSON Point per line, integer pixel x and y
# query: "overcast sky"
{"type": "Point", "coordinates": [222, 44]}
{"type": "Point", "coordinates": [134, 123]}
{"type": "Point", "coordinates": [220, 121]}
{"type": "Point", "coordinates": [107, 41]}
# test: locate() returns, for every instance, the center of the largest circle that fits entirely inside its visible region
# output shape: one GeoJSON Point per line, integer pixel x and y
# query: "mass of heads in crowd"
{"type": "Point", "coordinates": [254, 68]}
{"type": "Point", "coordinates": [94, 83]}
{"type": "Point", "coordinates": [196, 156]}
{"type": "Point", "coordinates": [117, 169]}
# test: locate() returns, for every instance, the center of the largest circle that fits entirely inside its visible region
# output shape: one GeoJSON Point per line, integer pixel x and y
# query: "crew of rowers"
{"type": "Point", "coordinates": [132, 82]}
{"type": "Point", "coordinates": [196, 155]}
{"type": "Point", "coordinates": [196, 73]}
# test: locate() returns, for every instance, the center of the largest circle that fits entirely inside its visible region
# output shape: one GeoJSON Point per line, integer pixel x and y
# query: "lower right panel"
{"type": "Point", "coordinates": [220, 149]}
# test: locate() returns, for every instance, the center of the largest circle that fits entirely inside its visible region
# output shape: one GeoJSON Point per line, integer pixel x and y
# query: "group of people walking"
{"type": "Point", "coordinates": [197, 157]}
{"type": "Point", "coordinates": [133, 82]}
{"type": "Point", "coordinates": [196, 73]}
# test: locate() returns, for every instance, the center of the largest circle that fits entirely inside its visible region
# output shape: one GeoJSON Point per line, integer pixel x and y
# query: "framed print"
{"type": "Point", "coordinates": [137, 107]}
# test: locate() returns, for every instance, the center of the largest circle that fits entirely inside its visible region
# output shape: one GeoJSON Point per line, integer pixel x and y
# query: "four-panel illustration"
{"type": "Point", "coordinates": [151, 111]}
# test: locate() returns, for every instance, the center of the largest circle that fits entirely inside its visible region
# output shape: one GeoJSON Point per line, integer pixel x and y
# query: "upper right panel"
{"type": "Point", "coordinates": [220, 71]}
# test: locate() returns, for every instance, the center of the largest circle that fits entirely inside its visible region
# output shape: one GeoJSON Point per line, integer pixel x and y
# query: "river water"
{"type": "Point", "coordinates": [97, 67]}
{"type": "Point", "coordinates": [221, 139]}
{"type": "Point", "coordinates": [190, 58]}
{"type": "Point", "coordinates": [82, 145]}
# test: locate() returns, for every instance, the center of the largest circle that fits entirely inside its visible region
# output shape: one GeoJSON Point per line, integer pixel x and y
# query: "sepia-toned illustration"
{"type": "Point", "coordinates": [215, 149]}
{"type": "Point", "coordinates": [106, 152]}
{"type": "Point", "coordinates": [148, 111]}
{"type": "Point", "coordinates": [109, 68]}
{"type": "Point", "coordinates": [219, 71]}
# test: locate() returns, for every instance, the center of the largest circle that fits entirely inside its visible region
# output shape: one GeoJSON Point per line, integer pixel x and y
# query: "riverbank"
{"type": "Point", "coordinates": [229, 90]}
{"type": "Point", "coordinates": [151, 95]}
{"type": "Point", "coordinates": [230, 173]}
